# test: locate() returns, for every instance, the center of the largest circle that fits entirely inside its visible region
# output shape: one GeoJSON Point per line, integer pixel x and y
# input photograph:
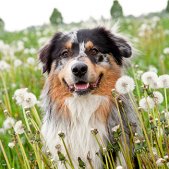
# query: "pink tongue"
{"type": "Point", "coordinates": [81, 86]}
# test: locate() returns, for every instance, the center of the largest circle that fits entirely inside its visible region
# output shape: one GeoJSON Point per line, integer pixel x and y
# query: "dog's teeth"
{"type": "Point", "coordinates": [81, 86]}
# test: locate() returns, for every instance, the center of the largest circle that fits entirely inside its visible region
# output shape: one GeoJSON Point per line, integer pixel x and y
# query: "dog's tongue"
{"type": "Point", "coordinates": [79, 86]}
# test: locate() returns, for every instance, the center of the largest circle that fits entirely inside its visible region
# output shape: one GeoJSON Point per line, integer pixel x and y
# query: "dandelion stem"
{"type": "Point", "coordinates": [166, 100]}
{"type": "Point", "coordinates": [5, 156]}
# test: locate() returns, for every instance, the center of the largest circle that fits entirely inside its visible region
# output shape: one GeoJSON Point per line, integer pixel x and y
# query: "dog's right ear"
{"type": "Point", "coordinates": [44, 56]}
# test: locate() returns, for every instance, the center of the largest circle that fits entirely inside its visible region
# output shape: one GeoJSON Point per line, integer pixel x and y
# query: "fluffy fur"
{"type": "Point", "coordinates": [82, 68]}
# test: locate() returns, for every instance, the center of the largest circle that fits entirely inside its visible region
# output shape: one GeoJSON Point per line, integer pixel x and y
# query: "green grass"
{"type": "Point", "coordinates": [27, 152]}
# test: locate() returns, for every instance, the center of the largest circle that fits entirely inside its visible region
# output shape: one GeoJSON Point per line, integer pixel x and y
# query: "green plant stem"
{"type": "Point", "coordinates": [5, 156]}
{"type": "Point", "coordinates": [166, 100]}
{"type": "Point", "coordinates": [67, 152]}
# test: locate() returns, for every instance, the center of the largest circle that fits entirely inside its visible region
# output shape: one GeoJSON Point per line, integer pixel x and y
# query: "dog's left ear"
{"type": "Point", "coordinates": [123, 46]}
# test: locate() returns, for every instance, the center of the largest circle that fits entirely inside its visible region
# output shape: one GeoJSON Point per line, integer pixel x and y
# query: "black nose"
{"type": "Point", "coordinates": [79, 69]}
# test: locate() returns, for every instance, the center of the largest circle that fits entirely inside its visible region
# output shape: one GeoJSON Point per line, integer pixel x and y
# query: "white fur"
{"type": "Point", "coordinates": [78, 135]}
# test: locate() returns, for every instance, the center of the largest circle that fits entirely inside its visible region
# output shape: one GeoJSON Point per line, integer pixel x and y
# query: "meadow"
{"type": "Point", "coordinates": [21, 82]}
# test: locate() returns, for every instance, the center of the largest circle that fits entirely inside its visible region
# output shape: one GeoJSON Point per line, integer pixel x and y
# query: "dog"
{"type": "Point", "coordinates": [81, 70]}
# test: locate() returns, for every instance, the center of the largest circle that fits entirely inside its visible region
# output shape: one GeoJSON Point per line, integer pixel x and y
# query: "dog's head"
{"type": "Point", "coordinates": [85, 61]}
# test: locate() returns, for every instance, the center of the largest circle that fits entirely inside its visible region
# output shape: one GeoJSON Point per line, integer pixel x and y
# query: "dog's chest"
{"type": "Point", "coordinates": [78, 135]}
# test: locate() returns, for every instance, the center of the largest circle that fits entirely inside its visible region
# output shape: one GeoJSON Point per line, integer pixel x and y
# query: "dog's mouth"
{"type": "Point", "coordinates": [83, 87]}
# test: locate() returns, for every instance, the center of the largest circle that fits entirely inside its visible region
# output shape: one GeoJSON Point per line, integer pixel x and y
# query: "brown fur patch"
{"type": "Point", "coordinates": [89, 45]}
{"type": "Point", "coordinates": [68, 45]}
{"type": "Point", "coordinates": [58, 92]}
{"type": "Point", "coordinates": [109, 78]}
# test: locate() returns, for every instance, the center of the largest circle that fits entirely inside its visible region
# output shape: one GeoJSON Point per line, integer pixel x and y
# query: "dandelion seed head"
{"type": "Point", "coordinates": [166, 51]}
{"type": "Point", "coordinates": [158, 97]}
{"type": "Point", "coordinates": [17, 62]}
{"type": "Point", "coordinates": [29, 100]}
{"type": "Point", "coordinates": [124, 85]}
{"type": "Point", "coordinates": [119, 167]}
{"type": "Point", "coordinates": [160, 162]}
{"type": "Point", "coordinates": [164, 81]}
{"type": "Point", "coordinates": [11, 144]}
{"type": "Point", "coordinates": [8, 123]}
{"type": "Point", "coordinates": [149, 77]}
{"type": "Point", "coordinates": [4, 65]}
{"type": "Point", "coordinates": [146, 103]}
{"type": "Point", "coordinates": [18, 128]}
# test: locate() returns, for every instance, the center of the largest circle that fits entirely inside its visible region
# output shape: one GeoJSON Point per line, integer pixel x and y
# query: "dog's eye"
{"type": "Point", "coordinates": [94, 51]}
{"type": "Point", "coordinates": [64, 54]}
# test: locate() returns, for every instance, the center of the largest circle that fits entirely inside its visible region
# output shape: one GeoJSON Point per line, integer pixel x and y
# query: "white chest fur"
{"type": "Point", "coordinates": [78, 135]}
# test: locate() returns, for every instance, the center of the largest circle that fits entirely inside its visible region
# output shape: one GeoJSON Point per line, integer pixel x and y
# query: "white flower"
{"type": "Point", "coordinates": [154, 151]}
{"type": "Point", "coordinates": [11, 144]}
{"type": "Point", "coordinates": [164, 81]}
{"type": "Point", "coordinates": [124, 85]}
{"type": "Point", "coordinates": [4, 65]}
{"type": "Point", "coordinates": [17, 63]}
{"type": "Point", "coordinates": [18, 128]}
{"type": "Point", "coordinates": [2, 130]}
{"type": "Point", "coordinates": [160, 162]}
{"type": "Point", "coordinates": [158, 97]}
{"type": "Point", "coordinates": [119, 167]}
{"type": "Point", "coordinates": [115, 128]}
{"type": "Point", "coordinates": [166, 157]}
{"type": "Point", "coordinates": [166, 51]}
{"type": "Point", "coordinates": [24, 98]}
{"type": "Point", "coordinates": [149, 77]}
{"type": "Point", "coordinates": [29, 100]}
{"type": "Point", "coordinates": [19, 95]}
{"type": "Point", "coordinates": [137, 141]}
{"type": "Point", "coordinates": [146, 103]}
{"type": "Point", "coordinates": [151, 68]}
{"type": "Point", "coordinates": [166, 114]}
{"type": "Point", "coordinates": [31, 61]}
{"type": "Point", "coordinates": [8, 123]}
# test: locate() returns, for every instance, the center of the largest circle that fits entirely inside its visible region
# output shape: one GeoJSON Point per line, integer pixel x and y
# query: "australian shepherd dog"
{"type": "Point", "coordinates": [81, 69]}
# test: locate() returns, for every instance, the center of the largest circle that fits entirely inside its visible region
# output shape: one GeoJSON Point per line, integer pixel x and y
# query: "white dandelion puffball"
{"type": "Point", "coordinates": [2, 130]}
{"type": "Point", "coordinates": [119, 167]}
{"type": "Point", "coordinates": [146, 103]}
{"type": "Point", "coordinates": [149, 77]}
{"type": "Point", "coordinates": [8, 123]}
{"type": "Point", "coordinates": [164, 81]}
{"type": "Point", "coordinates": [166, 51]}
{"type": "Point", "coordinates": [11, 144]}
{"type": "Point", "coordinates": [160, 162]}
{"type": "Point", "coordinates": [31, 61]}
{"type": "Point", "coordinates": [17, 63]}
{"type": "Point", "coordinates": [125, 84]}
{"type": "Point", "coordinates": [166, 114]}
{"type": "Point", "coordinates": [18, 128]}
{"type": "Point", "coordinates": [29, 100]}
{"type": "Point", "coordinates": [158, 97]}
{"type": "Point", "coordinates": [4, 65]}
{"type": "Point", "coordinates": [25, 98]}
{"type": "Point", "coordinates": [19, 95]}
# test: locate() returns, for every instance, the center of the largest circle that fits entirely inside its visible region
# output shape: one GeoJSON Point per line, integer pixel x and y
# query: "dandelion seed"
{"type": "Point", "coordinates": [18, 128]}
{"type": "Point", "coordinates": [31, 61]}
{"type": "Point", "coordinates": [124, 85]}
{"type": "Point", "coordinates": [158, 97]}
{"type": "Point", "coordinates": [149, 77]}
{"type": "Point", "coordinates": [17, 63]}
{"type": "Point", "coordinates": [119, 167]}
{"type": "Point", "coordinates": [29, 100]}
{"type": "Point", "coordinates": [4, 66]}
{"type": "Point", "coordinates": [137, 141]}
{"type": "Point", "coordinates": [166, 114]}
{"type": "Point", "coordinates": [166, 157]}
{"type": "Point", "coordinates": [160, 162]}
{"type": "Point", "coordinates": [146, 103]}
{"type": "Point", "coordinates": [11, 144]}
{"type": "Point", "coordinates": [8, 123]}
{"type": "Point", "coordinates": [164, 81]}
{"type": "Point", "coordinates": [19, 95]}
{"type": "Point", "coordinates": [152, 69]}
{"type": "Point", "coordinates": [2, 130]}
{"type": "Point", "coordinates": [166, 51]}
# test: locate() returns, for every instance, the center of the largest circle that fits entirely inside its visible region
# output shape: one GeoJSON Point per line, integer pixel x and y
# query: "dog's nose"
{"type": "Point", "coordinates": [79, 69]}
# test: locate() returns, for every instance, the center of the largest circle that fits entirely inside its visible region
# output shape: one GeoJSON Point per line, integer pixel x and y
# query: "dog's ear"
{"type": "Point", "coordinates": [115, 44]}
{"type": "Point", "coordinates": [45, 54]}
